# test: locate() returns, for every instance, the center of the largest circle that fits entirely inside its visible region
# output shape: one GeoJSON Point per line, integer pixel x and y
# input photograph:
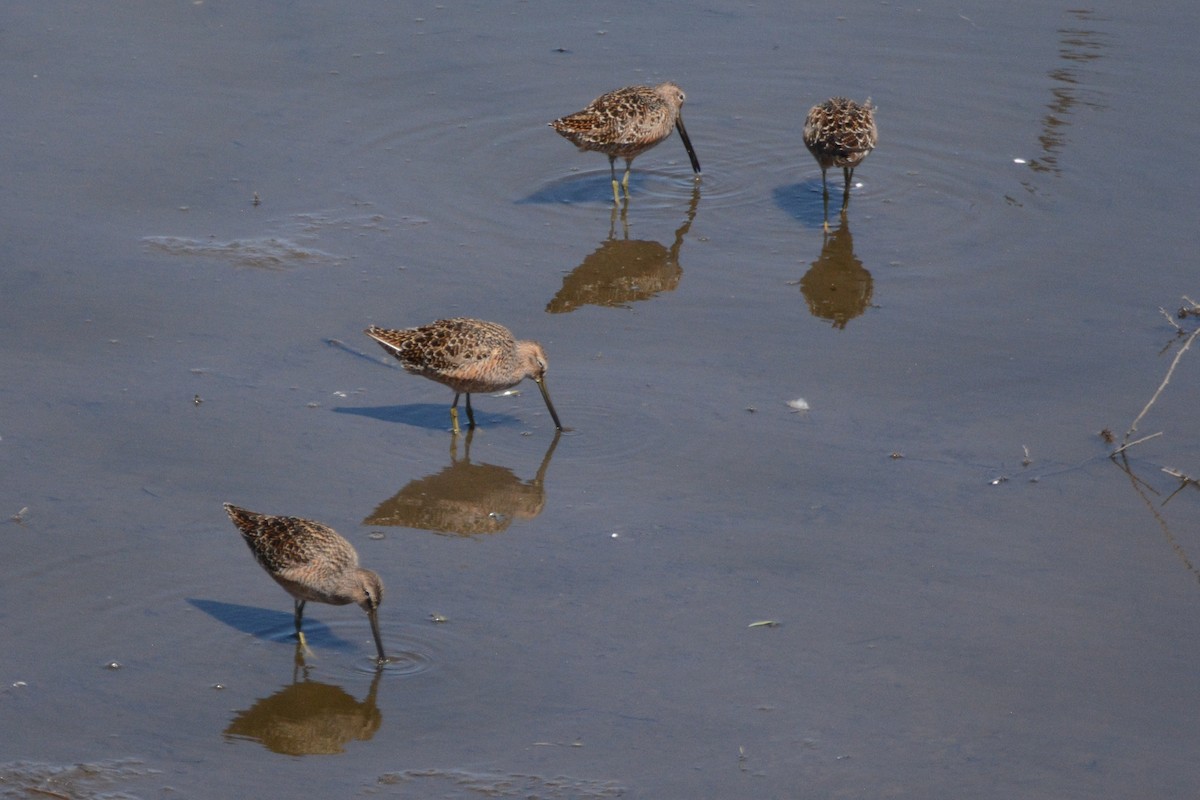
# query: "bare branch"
{"type": "Point", "coordinates": [1170, 318]}
{"type": "Point", "coordinates": [1127, 445]}
{"type": "Point", "coordinates": [1166, 379]}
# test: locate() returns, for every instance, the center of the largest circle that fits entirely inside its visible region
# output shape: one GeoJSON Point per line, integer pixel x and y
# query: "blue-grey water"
{"type": "Point", "coordinates": [202, 204]}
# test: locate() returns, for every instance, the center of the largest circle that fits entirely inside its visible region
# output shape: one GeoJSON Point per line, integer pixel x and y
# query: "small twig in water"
{"type": "Point", "coordinates": [1166, 379]}
{"type": "Point", "coordinates": [1184, 482]}
{"type": "Point", "coordinates": [1170, 318]}
{"type": "Point", "coordinates": [1127, 445]}
{"type": "Point", "coordinates": [1174, 473]}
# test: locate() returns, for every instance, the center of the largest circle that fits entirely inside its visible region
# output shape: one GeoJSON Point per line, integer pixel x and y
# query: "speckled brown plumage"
{"type": "Point", "coordinates": [468, 355]}
{"type": "Point", "coordinates": [627, 122]}
{"type": "Point", "coordinates": [840, 133]}
{"type": "Point", "coordinates": [310, 561]}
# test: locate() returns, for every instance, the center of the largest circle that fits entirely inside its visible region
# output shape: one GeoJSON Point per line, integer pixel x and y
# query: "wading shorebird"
{"type": "Point", "coordinates": [840, 133]}
{"type": "Point", "coordinates": [311, 561]}
{"type": "Point", "coordinates": [626, 123]}
{"type": "Point", "coordinates": [469, 356]}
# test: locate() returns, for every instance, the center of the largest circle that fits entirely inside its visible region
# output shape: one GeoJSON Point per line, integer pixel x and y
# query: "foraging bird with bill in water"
{"type": "Point", "coordinates": [840, 133]}
{"type": "Point", "coordinates": [469, 356]}
{"type": "Point", "coordinates": [311, 561]}
{"type": "Point", "coordinates": [626, 123]}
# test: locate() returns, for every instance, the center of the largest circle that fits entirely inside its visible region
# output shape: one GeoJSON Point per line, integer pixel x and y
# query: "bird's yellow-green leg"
{"type": "Point", "coordinates": [612, 171]}
{"type": "Point", "coordinates": [625, 182]}
{"type": "Point", "coordinates": [454, 412]}
{"type": "Point", "coordinates": [825, 200]}
{"type": "Point", "coordinates": [299, 632]}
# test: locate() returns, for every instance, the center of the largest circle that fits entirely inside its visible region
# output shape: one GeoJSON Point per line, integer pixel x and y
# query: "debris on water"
{"type": "Point", "coordinates": [266, 252]}
{"type": "Point", "coordinates": [438, 619]}
{"type": "Point", "coordinates": [799, 404]}
{"type": "Point", "coordinates": [764, 623]}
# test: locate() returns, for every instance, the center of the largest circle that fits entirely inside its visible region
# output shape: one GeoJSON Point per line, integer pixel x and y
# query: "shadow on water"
{"type": "Point", "coordinates": [308, 717]}
{"type": "Point", "coordinates": [593, 187]}
{"type": "Point", "coordinates": [837, 287]}
{"type": "Point", "coordinates": [623, 270]}
{"type": "Point", "coordinates": [418, 415]}
{"type": "Point", "coordinates": [466, 498]}
{"type": "Point", "coordinates": [426, 415]}
{"type": "Point", "coordinates": [271, 626]}
{"type": "Point", "coordinates": [802, 202]}
{"type": "Point", "coordinates": [579, 188]}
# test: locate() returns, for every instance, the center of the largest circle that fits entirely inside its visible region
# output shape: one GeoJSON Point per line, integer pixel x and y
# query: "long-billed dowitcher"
{"type": "Point", "coordinates": [840, 133]}
{"type": "Point", "coordinates": [468, 355]}
{"type": "Point", "coordinates": [312, 562]}
{"type": "Point", "coordinates": [626, 123]}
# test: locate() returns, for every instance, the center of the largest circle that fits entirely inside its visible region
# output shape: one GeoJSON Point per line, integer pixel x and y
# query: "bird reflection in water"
{"type": "Point", "coordinates": [308, 717]}
{"type": "Point", "coordinates": [624, 270]}
{"type": "Point", "coordinates": [837, 286]}
{"type": "Point", "coordinates": [466, 498]}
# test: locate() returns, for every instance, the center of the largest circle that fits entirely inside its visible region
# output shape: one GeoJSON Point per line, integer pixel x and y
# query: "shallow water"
{"type": "Point", "coordinates": [971, 600]}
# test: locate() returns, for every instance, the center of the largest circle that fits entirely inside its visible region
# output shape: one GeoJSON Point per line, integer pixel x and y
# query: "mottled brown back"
{"type": "Point", "coordinates": [840, 133]}
{"type": "Point", "coordinates": [624, 122]}
{"type": "Point", "coordinates": [284, 543]}
{"type": "Point", "coordinates": [468, 355]}
{"type": "Point", "coordinates": [445, 345]}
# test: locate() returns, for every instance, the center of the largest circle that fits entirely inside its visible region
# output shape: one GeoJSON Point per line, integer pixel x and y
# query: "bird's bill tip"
{"type": "Point", "coordinates": [541, 384]}
{"type": "Point", "coordinates": [374, 617]}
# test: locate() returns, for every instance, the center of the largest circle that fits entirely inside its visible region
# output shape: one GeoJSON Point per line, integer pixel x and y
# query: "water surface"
{"type": "Point", "coordinates": [204, 204]}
